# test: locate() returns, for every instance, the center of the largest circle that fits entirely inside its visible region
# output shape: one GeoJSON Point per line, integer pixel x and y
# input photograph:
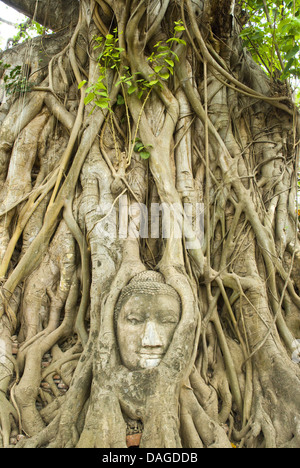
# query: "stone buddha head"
{"type": "Point", "coordinates": [146, 316]}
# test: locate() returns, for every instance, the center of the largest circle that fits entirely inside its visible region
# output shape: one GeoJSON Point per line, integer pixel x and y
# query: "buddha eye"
{"type": "Point", "coordinates": [169, 319]}
{"type": "Point", "coordinates": [134, 320]}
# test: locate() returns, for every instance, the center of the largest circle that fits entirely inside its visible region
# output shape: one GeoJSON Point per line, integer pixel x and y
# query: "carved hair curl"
{"type": "Point", "coordinates": [147, 282]}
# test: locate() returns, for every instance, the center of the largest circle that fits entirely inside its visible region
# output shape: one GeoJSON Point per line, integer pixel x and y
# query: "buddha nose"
{"type": "Point", "coordinates": [151, 337]}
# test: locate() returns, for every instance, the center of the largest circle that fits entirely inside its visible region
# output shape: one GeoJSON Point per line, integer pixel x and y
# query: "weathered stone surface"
{"type": "Point", "coordinates": [55, 15]}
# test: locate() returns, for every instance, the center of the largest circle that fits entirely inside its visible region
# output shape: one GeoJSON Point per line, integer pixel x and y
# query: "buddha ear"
{"type": "Point", "coordinates": [181, 354]}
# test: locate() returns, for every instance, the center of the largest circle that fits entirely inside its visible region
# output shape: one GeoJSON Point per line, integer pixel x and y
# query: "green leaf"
{"type": "Point", "coordinates": [163, 49]}
{"type": "Point", "coordinates": [292, 52]}
{"type": "Point", "coordinates": [158, 68]}
{"type": "Point", "coordinates": [164, 76]}
{"type": "Point", "coordinates": [175, 56]}
{"type": "Point", "coordinates": [138, 147]}
{"type": "Point", "coordinates": [132, 89]}
{"type": "Point", "coordinates": [169, 62]}
{"type": "Point", "coordinates": [152, 83]}
{"type": "Point", "coordinates": [102, 93]}
{"type": "Point", "coordinates": [179, 28]}
{"type": "Point", "coordinates": [90, 89]}
{"type": "Point", "coordinates": [102, 103]}
{"type": "Point", "coordinates": [100, 85]}
{"type": "Point", "coordinates": [145, 155]}
{"type": "Point", "coordinates": [120, 100]}
{"type": "Point", "coordinates": [177, 40]}
{"type": "Point", "coordinates": [82, 84]}
{"type": "Point", "coordinates": [90, 97]}
{"type": "Point", "coordinates": [285, 73]}
{"type": "Point", "coordinates": [162, 54]}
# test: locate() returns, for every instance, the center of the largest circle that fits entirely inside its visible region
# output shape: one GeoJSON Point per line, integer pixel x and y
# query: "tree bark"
{"type": "Point", "coordinates": [55, 15]}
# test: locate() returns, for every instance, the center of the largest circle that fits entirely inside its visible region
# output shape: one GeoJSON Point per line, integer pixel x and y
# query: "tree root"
{"type": "Point", "coordinates": [210, 432]}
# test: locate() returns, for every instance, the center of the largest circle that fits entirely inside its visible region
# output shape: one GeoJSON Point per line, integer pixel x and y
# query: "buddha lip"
{"type": "Point", "coordinates": [152, 355]}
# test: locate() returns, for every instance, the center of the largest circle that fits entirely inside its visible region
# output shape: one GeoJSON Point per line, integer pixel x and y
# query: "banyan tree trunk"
{"type": "Point", "coordinates": [143, 109]}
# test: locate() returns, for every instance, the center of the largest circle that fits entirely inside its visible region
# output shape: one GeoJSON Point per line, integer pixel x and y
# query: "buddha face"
{"type": "Point", "coordinates": [145, 327]}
